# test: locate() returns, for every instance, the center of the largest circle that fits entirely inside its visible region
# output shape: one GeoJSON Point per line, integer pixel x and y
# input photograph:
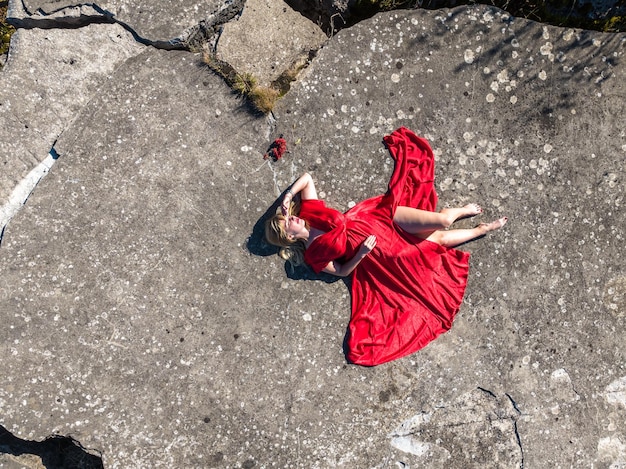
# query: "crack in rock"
{"type": "Point", "coordinates": [432, 437]}
{"type": "Point", "coordinates": [562, 387]}
{"type": "Point", "coordinates": [517, 435]}
{"type": "Point", "coordinates": [208, 30]}
{"type": "Point", "coordinates": [53, 451]}
{"type": "Point", "coordinates": [68, 14]}
{"type": "Point", "coordinates": [71, 15]}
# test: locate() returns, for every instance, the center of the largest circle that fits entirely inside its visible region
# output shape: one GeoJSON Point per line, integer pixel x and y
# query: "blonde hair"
{"type": "Point", "coordinates": [291, 250]}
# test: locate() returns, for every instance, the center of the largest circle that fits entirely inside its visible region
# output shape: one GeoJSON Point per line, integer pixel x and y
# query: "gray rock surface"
{"type": "Point", "coordinates": [157, 22]}
{"type": "Point", "coordinates": [50, 76]}
{"type": "Point", "coordinates": [80, 59]}
{"type": "Point", "coordinates": [144, 316]}
{"type": "Point", "coordinates": [267, 39]}
{"type": "Point", "coordinates": [525, 119]}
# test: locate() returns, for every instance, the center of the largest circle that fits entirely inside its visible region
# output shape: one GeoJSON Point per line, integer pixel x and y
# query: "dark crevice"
{"type": "Point", "coordinates": [53, 153]}
{"type": "Point", "coordinates": [334, 16]}
{"type": "Point", "coordinates": [513, 403]}
{"type": "Point", "coordinates": [56, 451]}
{"type": "Point", "coordinates": [517, 435]}
{"type": "Point", "coordinates": [519, 443]}
{"type": "Point", "coordinates": [192, 39]}
{"type": "Point", "coordinates": [59, 23]}
{"type": "Point", "coordinates": [487, 391]}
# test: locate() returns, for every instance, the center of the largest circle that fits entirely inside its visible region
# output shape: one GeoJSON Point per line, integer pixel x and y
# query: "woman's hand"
{"type": "Point", "coordinates": [368, 245]}
{"type": "Point", "coordinates": [343, 270]}
{"type": "Point", "coordinates": [303, 186]}
{"type": "Point", "coordinates": [284, 208]}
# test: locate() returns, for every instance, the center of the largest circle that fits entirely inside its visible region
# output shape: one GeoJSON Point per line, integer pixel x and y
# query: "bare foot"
{"type": "Point", "coordinates": [469, 210]}
{"type": "Point", "coordinates": [494, 225]}
{"type": "Point", "coordinates": [473, 210]}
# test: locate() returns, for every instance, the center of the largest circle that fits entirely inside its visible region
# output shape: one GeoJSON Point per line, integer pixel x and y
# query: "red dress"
{"type": "Point", "coordinates": [407, 290]}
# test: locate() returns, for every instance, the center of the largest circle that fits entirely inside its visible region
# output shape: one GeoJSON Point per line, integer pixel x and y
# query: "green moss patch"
{"type": "Point", "coordinates": [6, 30]}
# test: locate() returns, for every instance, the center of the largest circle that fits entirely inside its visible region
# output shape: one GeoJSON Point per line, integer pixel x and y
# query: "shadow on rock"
{"type": "Point", "coordinates": [304, 272]}
{"type": "Point", "coordinates": [256, 243]}
{"type": "Point", "coordinates": [56, 452]}
{"type": "Point", "coordinates": [258, 246]}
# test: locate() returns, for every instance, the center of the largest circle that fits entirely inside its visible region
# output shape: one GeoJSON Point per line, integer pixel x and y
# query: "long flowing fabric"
{"type": "Point", "coordinates": [407, 291]}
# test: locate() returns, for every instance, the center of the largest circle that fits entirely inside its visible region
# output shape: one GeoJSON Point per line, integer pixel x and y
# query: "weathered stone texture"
{"type": "Point", "coordinates": [140, 318]}
{"type": "Point", "coordinates": [50, 76]}
{"type": "Point", "coordinates": [135, 158]}
{"type": "Point", "coordinates": [159, 21]}
{"type": "Point", "coordinates": [524, 119]}
{"type": "Point", "coordinates": [267, 38]}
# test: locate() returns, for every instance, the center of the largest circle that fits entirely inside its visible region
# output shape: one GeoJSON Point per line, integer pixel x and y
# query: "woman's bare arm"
{"type": "Point", "coordinates": [304, 186]}
{"type": "Point", "coordinates": [343, 270]}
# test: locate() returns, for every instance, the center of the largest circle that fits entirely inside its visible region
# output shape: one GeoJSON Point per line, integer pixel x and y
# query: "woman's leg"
{"type": "Point", "coordinates": [421, 222]}
{"type": "Point", "coordinates": [452, 238]}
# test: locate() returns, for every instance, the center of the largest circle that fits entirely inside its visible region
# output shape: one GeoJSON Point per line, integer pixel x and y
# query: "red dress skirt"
{"type": "Point", "coordinates": [407, 290]}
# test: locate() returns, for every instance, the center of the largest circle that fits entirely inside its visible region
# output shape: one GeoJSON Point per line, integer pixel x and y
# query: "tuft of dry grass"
{"type": "Point", "coordinates": [262, 98]}
{"type": "Point", "coordinates": [283, 82]}
{"type": "Point", "coordinates": [244, 83]}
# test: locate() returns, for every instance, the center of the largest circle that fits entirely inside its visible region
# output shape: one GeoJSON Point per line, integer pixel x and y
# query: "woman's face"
{"type": "Point", "coordinates": [294, 226]}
